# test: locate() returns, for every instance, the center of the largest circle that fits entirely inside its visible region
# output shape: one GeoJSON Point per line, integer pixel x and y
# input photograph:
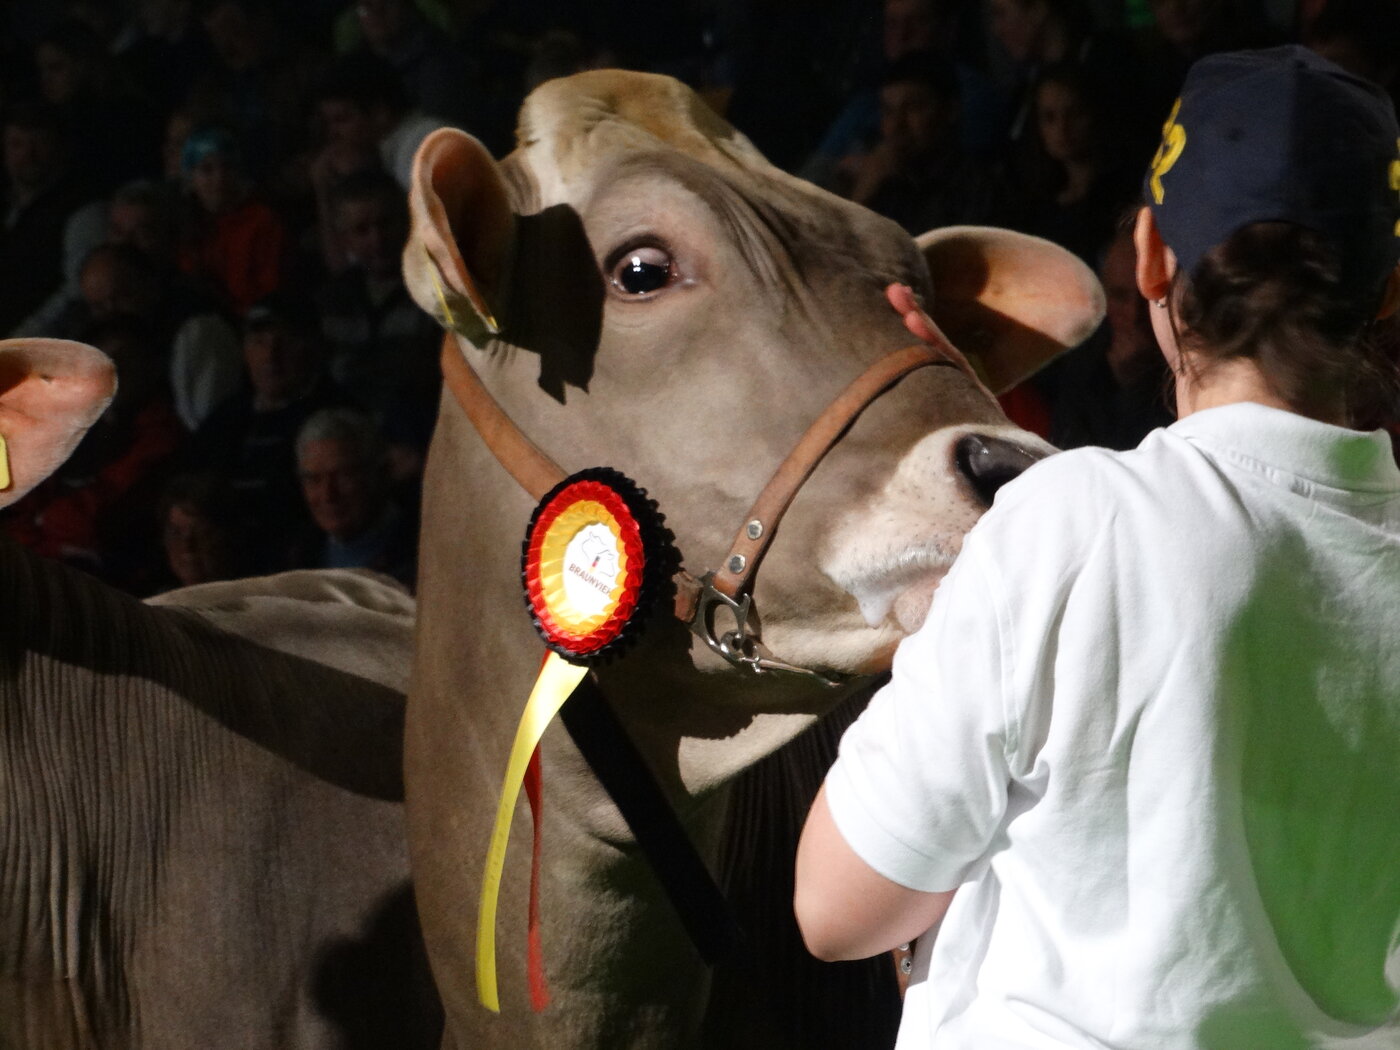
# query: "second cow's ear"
{"type": "Point", "coordinates": [462, 229]}
{"type": "Point", "coordinates": [51, 391]}
{"type": "Point", "coordinates": [1009, 301]}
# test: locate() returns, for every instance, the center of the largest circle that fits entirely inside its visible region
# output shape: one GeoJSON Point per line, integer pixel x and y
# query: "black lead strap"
{"type": "Point", "coordinates": [624, 774]}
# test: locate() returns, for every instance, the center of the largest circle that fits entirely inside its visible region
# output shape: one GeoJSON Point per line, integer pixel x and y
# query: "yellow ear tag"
{"type": "Point", "coordinates": [5, 479]}
{"type": "Point", "coordinates": [488, 317]}
{"type": "Point", "coordinates": [556, 683]}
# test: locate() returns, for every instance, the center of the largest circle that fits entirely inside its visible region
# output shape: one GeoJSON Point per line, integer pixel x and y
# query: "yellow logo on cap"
{"type": "Point", "coordinates": [1173, 142]}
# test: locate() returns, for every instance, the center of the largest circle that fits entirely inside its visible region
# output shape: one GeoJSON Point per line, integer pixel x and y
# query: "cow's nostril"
{"type": "Point", "coordinates": [988, 463]}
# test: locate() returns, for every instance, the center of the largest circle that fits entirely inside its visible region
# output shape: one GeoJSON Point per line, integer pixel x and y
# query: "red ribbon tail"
{"type": "Point", "coordinates": [534, 955]}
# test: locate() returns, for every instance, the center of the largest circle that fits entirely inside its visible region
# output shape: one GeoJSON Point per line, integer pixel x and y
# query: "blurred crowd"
{"type": "Point", "coordinates": [214, 193]}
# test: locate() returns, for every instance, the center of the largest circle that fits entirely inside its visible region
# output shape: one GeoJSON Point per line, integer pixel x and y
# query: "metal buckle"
{"type": "Point", "coordinates": [732, 644]}
{"type": "Point", "coordinates": [741, 646]}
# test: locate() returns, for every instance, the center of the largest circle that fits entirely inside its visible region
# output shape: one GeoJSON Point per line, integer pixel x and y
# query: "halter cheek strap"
{"type": "Point", "coordinates": [698, 599]}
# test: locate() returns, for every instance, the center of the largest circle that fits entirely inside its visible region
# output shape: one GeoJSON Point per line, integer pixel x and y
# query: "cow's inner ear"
{"type": "Point", "coordinates": [459, 246]}
{"type": "Point", "coordinates": [1009, 301]}
{"type": "Point", "coordinates": [51, 391]}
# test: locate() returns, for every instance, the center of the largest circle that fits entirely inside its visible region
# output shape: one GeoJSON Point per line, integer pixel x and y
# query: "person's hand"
{"type": "Point", "coordinates": [922, 327]}
{"type": "Point", "coordinates": [920, 324]}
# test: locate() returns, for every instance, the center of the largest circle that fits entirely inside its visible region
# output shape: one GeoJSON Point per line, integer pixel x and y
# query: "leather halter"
{"type": "Point", "coordinates": [697, 599]}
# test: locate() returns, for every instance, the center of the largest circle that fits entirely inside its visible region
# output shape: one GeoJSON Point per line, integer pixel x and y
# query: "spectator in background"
{"type": "Point", "coordinates": [95, 512]}
{"type": "Point", "coordinates": [438, 77]}
{"type": "Point", "coordinates": [1074, 181]}
{"type": "Point", "coordinates": [85, 230]}
{"type": "Point", "coordinates": [343, 465]}
{"type": "Point", "coordinates": [114, 132]}
{"type": "Point", "coordinates": [1112, 391]}
{"type": "Point", "coordinates": [918, 172]}
{"type": "Point", "coordinates": [1184, 30]}
{"type": "Point", "coordinates": [383, 347]}
{"type": "Point", "coordinates": [911, 27]}
{"type": "Point", "coordinates": [1192, 28]}
{"type": "Point", "coordinates": [168, 53]}
{"type": "Point", "coordinates": [363, 106]}
{"type": "Point", "coordinates": [264, 68]}
{"type": "Point", "coordinates": [235, 243]}
{"type": "Point", "coordinates": [199, 347]}
{"type": "Point", "coordinates": [141, 214]}
{"type": "Point", "coordinates": [250, 437]}
{"type": "Point", "coordinates": [1034, 34]}
{"type": "Point", "coordinates": [203, 535]}
{"type": "Point", "coordinates": [178, 126]}
{"type": "Point", "coordinates": [42, 192]}
{"type": "Point", "coordinates": [144, 214]}
{"type": "Point", "coordinates": [1361, 36]}
{"type": "Point", "coordinates": [790, 72]}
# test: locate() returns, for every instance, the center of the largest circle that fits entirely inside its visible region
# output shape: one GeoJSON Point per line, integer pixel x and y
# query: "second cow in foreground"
{"type": "Point", "coordinates": [201, 828]}
{"type": "Point", "coordinates": [639, 289]}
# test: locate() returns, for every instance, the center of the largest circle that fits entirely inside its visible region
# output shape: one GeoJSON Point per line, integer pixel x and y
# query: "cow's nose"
{"type": "Point", "coordinates": [988, 463]}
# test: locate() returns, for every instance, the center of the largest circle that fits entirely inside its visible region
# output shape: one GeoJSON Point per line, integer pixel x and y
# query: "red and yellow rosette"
{"type": "Point", "coordinates": [583, 569]}
{"type": "Point", "coordinates": [596, 558]}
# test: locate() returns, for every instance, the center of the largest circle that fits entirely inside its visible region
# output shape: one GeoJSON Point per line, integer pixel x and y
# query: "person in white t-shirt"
{"type": "Point", "coordinates": [1136, 781]}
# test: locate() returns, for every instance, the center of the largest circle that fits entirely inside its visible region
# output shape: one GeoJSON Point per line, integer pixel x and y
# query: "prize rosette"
{"type": "Point", "coordinates": [597, 557]}
{"type": "Point", "coordinates": [596, 560]}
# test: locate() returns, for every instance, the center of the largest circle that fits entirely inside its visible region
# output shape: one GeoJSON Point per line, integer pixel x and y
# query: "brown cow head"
{"type": "Point", "coordinates": [644, 291]}
{"type": "Point", "coordinates": [640, 290]}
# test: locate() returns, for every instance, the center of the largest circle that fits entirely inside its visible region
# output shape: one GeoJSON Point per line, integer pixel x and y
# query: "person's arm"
{"type": "Point", "coordinates": [919, 789]}
{"type": "Point", "coordinates": [845, 908]}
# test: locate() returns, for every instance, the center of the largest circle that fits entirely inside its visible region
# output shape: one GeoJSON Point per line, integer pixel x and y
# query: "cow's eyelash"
{"type": "Point", "coordinates": [635, 244]}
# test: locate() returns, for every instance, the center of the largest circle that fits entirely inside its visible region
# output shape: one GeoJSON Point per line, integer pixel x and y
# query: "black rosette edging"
{"type": "Point", "coordinates": [659, 568]}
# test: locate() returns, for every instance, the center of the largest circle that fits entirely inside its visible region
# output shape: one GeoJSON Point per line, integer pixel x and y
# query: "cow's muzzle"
{"type": "Point", "coordinates": [988, 463]}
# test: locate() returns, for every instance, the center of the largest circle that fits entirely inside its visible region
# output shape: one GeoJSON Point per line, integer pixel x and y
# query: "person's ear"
{"type": "Point", "coordinates": [1156, 265]}
{"type": "Point", "coordinates": [1390, 298]}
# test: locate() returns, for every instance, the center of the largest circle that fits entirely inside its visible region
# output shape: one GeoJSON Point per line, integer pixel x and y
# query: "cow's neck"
{"type": "Point", "coordinates": [477, 657]}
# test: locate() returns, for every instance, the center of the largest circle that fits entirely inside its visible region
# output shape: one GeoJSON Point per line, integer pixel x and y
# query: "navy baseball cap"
{"type": "Point", "coordinates": [1280, 134]}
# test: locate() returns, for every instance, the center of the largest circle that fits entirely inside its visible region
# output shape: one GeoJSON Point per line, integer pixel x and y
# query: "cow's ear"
{"type": "Point", "coordinates": [51, 391]}
{"type": "Point", "coordinates": [459, 244]}
{"type": "Point", "coordinates": [1010, 301]}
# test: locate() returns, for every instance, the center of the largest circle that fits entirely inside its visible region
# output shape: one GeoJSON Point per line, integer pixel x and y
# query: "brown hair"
{"type": "Point", "coordinates": [1273, 292]}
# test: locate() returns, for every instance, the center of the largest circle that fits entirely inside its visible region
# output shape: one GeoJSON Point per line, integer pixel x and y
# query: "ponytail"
{"type": "Point", "coordinates": [1273, 292]}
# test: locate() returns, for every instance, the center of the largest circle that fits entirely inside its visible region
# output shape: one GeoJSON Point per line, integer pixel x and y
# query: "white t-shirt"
{"type": "Point", "coordinates": [1151, 729]}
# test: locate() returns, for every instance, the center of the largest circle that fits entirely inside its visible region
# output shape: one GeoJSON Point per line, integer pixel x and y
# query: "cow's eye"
{"type": "Point", "coordinates": [642, 270]}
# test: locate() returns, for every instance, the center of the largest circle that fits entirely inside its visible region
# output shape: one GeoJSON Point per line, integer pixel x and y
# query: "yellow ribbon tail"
{"type": "Point", "coordinates": [5, 479]}
{"type": "Point", "coordinates": [556, 682]}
